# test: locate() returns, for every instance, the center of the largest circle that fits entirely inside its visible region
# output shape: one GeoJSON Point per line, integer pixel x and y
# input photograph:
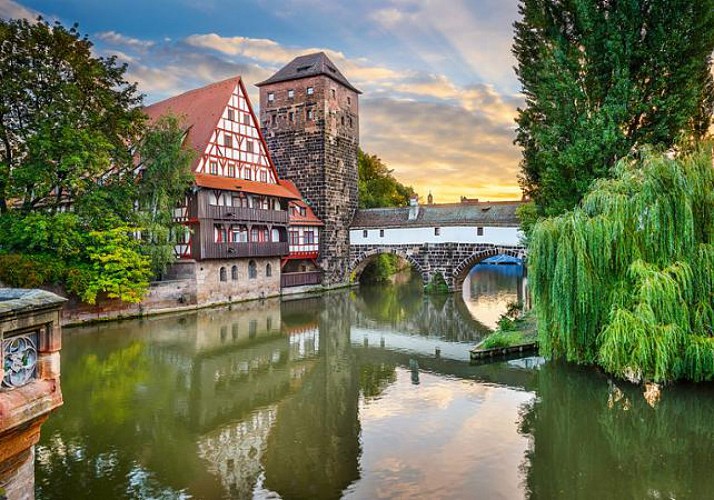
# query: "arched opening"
{"type": "Point", "coordinates": [491, 282]}
{"type": "Point", "coordinates": [222, 274]}
{"type": "Point", "coordinates": [268, 270]}
{"type": "Point", "coordinates": [385, 267]}
{"type": "Point", "coordinates": [234, 273]}
{"type": "Point", "coordinates": [252, 270]}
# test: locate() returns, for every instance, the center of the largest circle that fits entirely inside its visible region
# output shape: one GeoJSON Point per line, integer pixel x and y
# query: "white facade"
{"type": "Point", "coordinates": [509, 236]}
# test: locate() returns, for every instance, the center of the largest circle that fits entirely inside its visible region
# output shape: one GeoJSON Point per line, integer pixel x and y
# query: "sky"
{"type": "Point", "coordinates": [439, 90]}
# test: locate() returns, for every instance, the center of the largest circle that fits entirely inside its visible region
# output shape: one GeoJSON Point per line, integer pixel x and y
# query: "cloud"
{"type": "Point", "coordinates": [438, 136]}
{"type": "Point", "coordinates": [114, 38]}
{"type": "Point", "coordinates": [443, 147]}
{"type": "Point", "coordinates": [10, 9]}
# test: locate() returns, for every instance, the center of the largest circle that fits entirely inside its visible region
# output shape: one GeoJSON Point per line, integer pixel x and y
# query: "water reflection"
{"type": "Point", "coordinates": [489, 288]}
{"type": "Point", "coordinates": [345, 395]}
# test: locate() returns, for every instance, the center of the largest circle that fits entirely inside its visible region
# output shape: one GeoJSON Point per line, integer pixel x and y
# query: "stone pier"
{"type": "Point", "coordinates": [30, 341]}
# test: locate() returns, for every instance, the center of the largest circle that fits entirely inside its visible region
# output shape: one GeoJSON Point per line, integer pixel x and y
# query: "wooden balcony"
{"type": "Point", "coordinates": [236, 250]}
{"type": "Point", "coordinates": [241, 214]}
{"type": "Point", "coordinates": [300, 279]}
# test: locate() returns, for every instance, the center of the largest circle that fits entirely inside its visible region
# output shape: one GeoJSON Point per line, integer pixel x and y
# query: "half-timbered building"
{"type": "Point", "coordinates": [236, 215]}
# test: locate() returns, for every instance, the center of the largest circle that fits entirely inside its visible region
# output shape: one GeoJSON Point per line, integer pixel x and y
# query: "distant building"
{"type": "Point", "coordinates": [236, 217]}
{"type": "Point", "coordinates": [310, 117]}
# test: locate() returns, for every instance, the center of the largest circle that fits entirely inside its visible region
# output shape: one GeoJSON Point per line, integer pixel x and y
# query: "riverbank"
{"type": "Point", "coordinates": [511, 336]}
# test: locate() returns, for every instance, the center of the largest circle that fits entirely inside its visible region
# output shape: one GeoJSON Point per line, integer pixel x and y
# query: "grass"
{"type": "Point", "coordinates": [512, 332]}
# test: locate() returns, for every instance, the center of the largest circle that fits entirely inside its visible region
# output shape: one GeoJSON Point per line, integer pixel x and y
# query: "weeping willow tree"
{"type": "Point", "coordinates": [626, 279]}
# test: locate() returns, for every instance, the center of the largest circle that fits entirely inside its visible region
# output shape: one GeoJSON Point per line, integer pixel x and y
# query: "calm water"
{"type": "Point", "coordinates": [358, 394]}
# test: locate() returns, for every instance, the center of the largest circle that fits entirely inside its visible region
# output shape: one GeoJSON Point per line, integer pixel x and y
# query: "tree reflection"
{"type": "Point", "coordinates": [595, 439]}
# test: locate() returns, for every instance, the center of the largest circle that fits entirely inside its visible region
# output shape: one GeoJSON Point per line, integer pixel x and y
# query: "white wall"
{"type": "Point", "coordinates": [452, 234]}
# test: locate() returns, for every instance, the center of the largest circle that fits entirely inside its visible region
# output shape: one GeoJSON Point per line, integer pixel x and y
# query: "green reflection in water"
{"type": "Point", "coordinates": [594, 439]}
{"type": "Point", "coordinates": [313, 398]}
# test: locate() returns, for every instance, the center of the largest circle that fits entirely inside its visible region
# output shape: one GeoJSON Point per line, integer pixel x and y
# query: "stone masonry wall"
{"type": "Point", "coordinates": [452, 260]}
{"type": "Point", "coordinates": [319, 154]}
{"type": "Point", "coordinates": [210, 289]}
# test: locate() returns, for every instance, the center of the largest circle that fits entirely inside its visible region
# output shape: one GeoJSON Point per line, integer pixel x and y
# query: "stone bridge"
{"type": "Point", "coordinates": [452, 260]}
{"type": "Point", "coordinates": [447, 239]}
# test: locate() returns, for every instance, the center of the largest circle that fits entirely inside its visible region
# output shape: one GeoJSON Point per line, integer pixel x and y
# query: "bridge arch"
{"type": "Point", "coordinates": [358, 265]}
{"type": "Point", "coordinates": [462, 270]}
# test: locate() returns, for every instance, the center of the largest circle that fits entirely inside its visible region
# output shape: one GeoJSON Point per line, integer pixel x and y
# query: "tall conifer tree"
{"type": "Point", "coordinates": [602, 77]}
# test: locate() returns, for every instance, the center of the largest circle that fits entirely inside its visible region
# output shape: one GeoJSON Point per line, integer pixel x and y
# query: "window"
{"type": "Point", "coordinates": [273, 118]}
{"type": "Point", "coordinates": [220, 234]}
{"type": "Point", "coordinates": [222, 274]}
{"type": "Point", "coordinates": [309, 114]}
{"type": "Point", "coordinates": [310, 90]}
{"type": "Point", "coordinates": [246, 173]}
{"type": "Point", "coordinates": [227, 141]}
{"type": "Point", "coordinates": [231, 170]}
{"type": "Point", "coordinates": [294, 237]}
{"type": "Point", "coordinates": [479, 231]}
{"type": "Point", "coordinates": [302, 211]}
{"type": "Point", "coordinates": [268, 270]}
{"type": "Point", "coordinates": [231, 115]}
{"type": "Point", "coordinates": [291, 117]}
{"type": "Point", "coordinates": [309, 237]}
{"type": "Point", "coordinates": [350, 122]}
{"type": "Point", "coordinates": [249, 146]}
{"type": "Point", "coordinates": [342, 120]}
{"type": "Point", "coordinates": [365, 233]}
{"type": "Point", "coordinates": [252, 270]}
{"type": "Point", "coordinates": [381, 233]}
{"type": "Point", "coordinates": [332, 93]}
{"type": "Point", "coordinates": [234, 273]}
{"type": "Point", "coordinates": [246, 119]}
{"type": "Point", "coordinates": [437, 231]}
{"type": "Point", "coordinates": [349, 101]}
{"type": "Point", "coordinates": [271, 96]}
{"type": "Point", "coordinates": [291, 93]}
{"type": "Point", "coordinates": [263, 176]}
{"type": "Point", "coordinates": [214, 168]}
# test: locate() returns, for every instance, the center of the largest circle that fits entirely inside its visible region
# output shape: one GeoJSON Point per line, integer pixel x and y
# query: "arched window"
{"type": "Point", "coordinates": [222, 274]}
{"type": "Point", "coordinates": [234, 273]}
{"type": "Point", "coordinates": [268, 270]}
{"type": "Point", "coordinates": [252, 270]}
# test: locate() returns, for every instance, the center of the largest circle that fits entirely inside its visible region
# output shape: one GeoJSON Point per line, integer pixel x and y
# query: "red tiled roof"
{"type": "Point", "coordinates": [231, 184]}
{"type": "Point", "coordinates": [310, 219]}
{"type": "Point", "coordinates": [200, 109]}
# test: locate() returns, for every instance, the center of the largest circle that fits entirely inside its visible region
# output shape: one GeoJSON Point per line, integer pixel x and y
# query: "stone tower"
{"type": "Point", "coordinates": [310, 118]}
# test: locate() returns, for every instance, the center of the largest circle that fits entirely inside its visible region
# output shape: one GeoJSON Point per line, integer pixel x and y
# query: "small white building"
{"type": "Point", "coordinates": [487, 222]}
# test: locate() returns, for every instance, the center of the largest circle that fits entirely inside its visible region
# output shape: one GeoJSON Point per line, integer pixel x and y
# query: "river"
{"type": "Point", "coordinates": [361, 394]}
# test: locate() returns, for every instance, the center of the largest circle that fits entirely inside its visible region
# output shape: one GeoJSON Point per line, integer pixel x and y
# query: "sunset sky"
{"type": "Point", "coordinates": [439, 90]}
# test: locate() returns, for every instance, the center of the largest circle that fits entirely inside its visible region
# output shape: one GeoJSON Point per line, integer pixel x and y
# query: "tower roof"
{"type": "Point", "coordinates": [309, 65]}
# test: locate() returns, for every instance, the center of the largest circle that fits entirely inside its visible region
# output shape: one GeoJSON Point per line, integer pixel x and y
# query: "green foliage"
{"type": "Point", "coordinates": [625, 279]}
{"type": "Point", "coordinates": [383, 267]}
{"type": "Point", "coordinates": [437, 285]}
{"type": "Point", "coordinates": [165, 178]}
{"type": "Point", "coordinates": [65, 115]}
{"type": "Point", "coordinates": [71, 134]}
{"type": "Point", "coordinates": [600, 78]}
{"type": "Point", "coordinates": [119, 268]}
{"type": "Point", "coordinates": [377, 186]}
{"type": "Point", "coordinates": [500, 339]}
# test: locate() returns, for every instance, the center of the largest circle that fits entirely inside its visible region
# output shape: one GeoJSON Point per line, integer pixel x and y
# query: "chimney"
{"type": "Point", "coordinates": [413, 207]}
